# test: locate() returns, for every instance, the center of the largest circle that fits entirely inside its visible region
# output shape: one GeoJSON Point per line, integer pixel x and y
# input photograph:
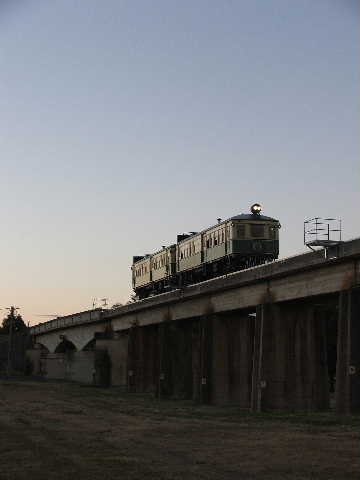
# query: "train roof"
{"type": "Point", "coordinates": [243, 216]}
{"type": "Point", "coordinates": [149, 255]}
{"type": "Point", "coordinates": [251, 216]}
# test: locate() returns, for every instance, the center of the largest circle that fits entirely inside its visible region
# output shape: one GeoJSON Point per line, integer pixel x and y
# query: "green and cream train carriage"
{"type": "Point", "coordinates": [237, 243]}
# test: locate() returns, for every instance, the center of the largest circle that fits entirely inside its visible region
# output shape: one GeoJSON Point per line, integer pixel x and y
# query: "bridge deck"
{"type": "Point", "coordinates": [336, 270]}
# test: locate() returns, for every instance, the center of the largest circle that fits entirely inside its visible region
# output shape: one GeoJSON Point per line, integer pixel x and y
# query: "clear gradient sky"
{"type": "Point", "coordinates": [126, 122]}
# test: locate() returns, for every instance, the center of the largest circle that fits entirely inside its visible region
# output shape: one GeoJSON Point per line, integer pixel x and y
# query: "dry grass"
{"type": "Point", "coordinates": [57, 430]}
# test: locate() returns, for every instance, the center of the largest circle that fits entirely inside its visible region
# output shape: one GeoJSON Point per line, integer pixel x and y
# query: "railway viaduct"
{"type": "Point", "coordinates": [271, 337]}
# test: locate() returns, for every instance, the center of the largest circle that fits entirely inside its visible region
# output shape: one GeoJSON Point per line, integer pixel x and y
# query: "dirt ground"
{"type": "Point", "coordinates": [58, 430]}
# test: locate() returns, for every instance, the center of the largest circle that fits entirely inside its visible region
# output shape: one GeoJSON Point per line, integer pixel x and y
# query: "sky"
{"type": "Point", "coordinates": [124, 123]}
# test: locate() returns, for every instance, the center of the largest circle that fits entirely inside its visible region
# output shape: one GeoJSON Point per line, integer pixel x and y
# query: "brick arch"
{"type": "Point", "coordinates": [79, 335]}
{"type": "Point", "coordinates": [65, 345]}
{"type": "Point", "coordinates": [90, 345]}
{"type": "Point", "coordinates": [41, 346]}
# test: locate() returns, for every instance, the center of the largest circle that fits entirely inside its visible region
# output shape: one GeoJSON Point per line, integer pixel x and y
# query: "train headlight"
{"type": "Point", "coordinates": [256, 208]}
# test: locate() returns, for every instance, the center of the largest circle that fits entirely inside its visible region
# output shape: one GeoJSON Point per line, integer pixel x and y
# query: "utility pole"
{"type": "Point", "coordinates": [12, 310]}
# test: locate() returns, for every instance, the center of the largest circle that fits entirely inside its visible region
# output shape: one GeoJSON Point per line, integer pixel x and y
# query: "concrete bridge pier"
{"type": "Point", "coordinates": [348, 353]}
{"type": "Point", "coordinates": [232, 358]}
{"type": "Point", "coordinates": [143, 359]}
{"type": "Point", "coordinates": [290, 358]}
{"type": "Point", "coordinates": [116, 346]}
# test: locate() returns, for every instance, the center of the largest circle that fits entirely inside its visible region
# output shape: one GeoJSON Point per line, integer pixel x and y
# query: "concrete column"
{"type": "Point", "coordinates": [144, 346]}
{"type": "Point", "coordinates": [181, 359]}
{"type": "Point", "coordinates": [164, 371]}
{"type": "Point", "coordinates": [347, 392]}
{"type": "Point", "coordinates": [354, 367]}
{"type": "Point", "coordinates": [117, 348]}
{"type": "Point", "coordinates": [271, 358]}
{"type": "Point", "coordinates": [321, 382]}
{"type": "Point", "coordinates": [206, 360]}
{"type": "Point", "coordinates": [131, 359]}
{"type": "Point", "coordinates": [257, 359]}
{"type": "Point", "coordinates": [240, 345]}
{"type": "Point", "coordinates": [220, 360]}
{"type": "Point", "coordinates": [196, 359]}
{"type": "Point", "coordinates": [150, 358]}
{"type": "Point", "coordinates": [34, 358]}
{"type": "Point", "coordinates": [290, 362]}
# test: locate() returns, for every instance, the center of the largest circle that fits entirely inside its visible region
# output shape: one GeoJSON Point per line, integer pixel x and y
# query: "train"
{"type": "Point", "coordinates": [231, 245]}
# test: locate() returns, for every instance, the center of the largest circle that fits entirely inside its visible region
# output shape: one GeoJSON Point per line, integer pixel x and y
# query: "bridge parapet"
{"type": "Point", "coordinates": [88, 316]}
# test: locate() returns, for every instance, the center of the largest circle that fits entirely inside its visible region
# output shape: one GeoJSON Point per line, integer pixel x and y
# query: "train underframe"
{"type": "Point", "coordinates": [205, 271]}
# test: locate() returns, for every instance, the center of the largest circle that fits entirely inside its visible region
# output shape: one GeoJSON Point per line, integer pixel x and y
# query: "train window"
{"type": "Point", "coordinates": [241, 231]}
{"type": "Point", "coordinates": [257, 230]}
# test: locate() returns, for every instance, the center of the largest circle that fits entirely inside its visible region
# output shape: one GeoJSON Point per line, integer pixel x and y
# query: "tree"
{"type": "Point", "coordinates": [18, 324]}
